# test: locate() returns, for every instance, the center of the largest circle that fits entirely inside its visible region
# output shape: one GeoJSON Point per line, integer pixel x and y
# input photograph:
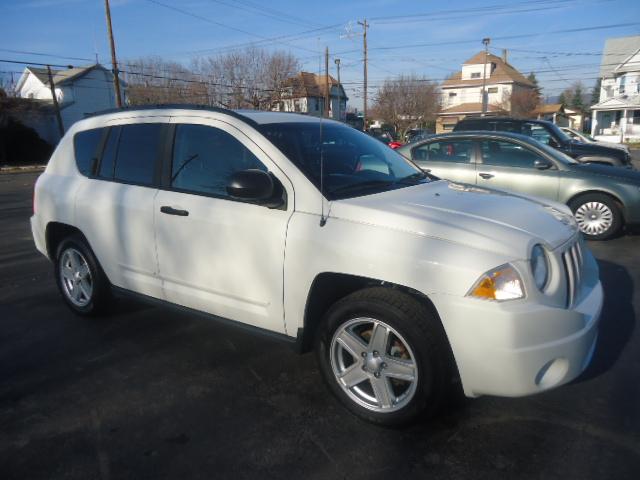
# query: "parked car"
{"type": "Point", "coordinates": [415, 133]}
{"type": "Point", "coordinates": [550, 134]}
{"type": "Point", "coordinates": [315, 233]}
{"type": "Point", "coordinates": [586, 138]}
{"type": "Point", "coordinates": [386, 138]}
{"type": "Point", "coordinates": [602, 198]}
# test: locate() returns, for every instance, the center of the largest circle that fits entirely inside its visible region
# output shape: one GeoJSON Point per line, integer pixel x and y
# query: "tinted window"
{"type": "Point", "coordinates": [137, 153]}
{"type": "Point", "coordinates": [86, 148]}
{"type": "Point", "coordinates": [352, 163]}
{"type": "Point", "coordinates": [108, 160]}
{"type": "Point", "coordinates": [536, 131]}
{"type": "Point", "coordinates": [457, 151]}
{"type": "Point", "coordinates": [204, 158]}
{"type": "Point", "coordinates": [507, 154]}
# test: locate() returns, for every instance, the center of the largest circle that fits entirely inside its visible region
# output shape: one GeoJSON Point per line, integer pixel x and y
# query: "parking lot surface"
{"type": "Point", "coordinates": [150, 393]}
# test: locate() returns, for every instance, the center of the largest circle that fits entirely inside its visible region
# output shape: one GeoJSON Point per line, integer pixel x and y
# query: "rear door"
{"type": "Point", "coordinates": [507, 165]}
{"type": "Point", "coordinates": [451, 159]}
{"type": "Point", "coordinates": [114, 207]}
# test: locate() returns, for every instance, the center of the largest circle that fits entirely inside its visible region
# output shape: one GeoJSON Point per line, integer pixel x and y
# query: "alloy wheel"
{"type": "Point", "coordinates": [374, 364]}
{"type": "Point", "coordinates": [75, 277]}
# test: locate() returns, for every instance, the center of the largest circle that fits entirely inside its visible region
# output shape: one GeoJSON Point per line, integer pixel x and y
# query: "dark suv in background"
{"type": "Point", "coordinates": [549, 134]}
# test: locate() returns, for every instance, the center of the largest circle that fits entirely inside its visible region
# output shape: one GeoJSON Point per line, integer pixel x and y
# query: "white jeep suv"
{"type": "Point", "coordinates": [314, 232]}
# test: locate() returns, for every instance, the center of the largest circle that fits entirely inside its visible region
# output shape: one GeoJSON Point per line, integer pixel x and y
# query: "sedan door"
{"type": "Point", "coordinates": [217, 254]}
{"type": "Point", "coordinates": [511, 166]}
{"type": "Point", "coordinates": [450, 159]}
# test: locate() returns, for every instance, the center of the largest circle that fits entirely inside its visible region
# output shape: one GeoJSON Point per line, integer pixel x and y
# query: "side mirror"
{"type": "Point", "coordinates": [541, 164]}
{"type": "Point", "coordinates": [251, 184]}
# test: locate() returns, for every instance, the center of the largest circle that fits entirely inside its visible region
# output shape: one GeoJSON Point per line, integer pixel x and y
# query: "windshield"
{"type": "Point", "coordinates": [558, 132]}
{"type": "Point", "coordinates": [354, 163]}
{"type": "Point", "coordinates": [556, 154]}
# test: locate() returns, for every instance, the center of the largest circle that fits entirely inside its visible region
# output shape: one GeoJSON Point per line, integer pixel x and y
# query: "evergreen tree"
{"type": "Point", "coordinates": [532, 78]}
{"type": "Point", "coordinates": [577, 101]}
{"type": "Point", "coordinates": [595, 93]}
{"type": "Point", "coordinates": [562, 99]}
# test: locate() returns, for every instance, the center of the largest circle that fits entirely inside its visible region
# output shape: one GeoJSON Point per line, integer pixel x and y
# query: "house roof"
{"type": "Point", "coordinates": [549, 108]}
{"type": "Point", "coordinates": [618, 103]}
{"type": "Point", "coordinates": [617, 51]}
{"type": "Point", "coordinates": [503, 73]}
{"type": "Point", "coordinates": [61, 76]}
{"type": "Point", "coordinates": [306, 84]}
{"type": "Point", "coordinates": [465, 108]}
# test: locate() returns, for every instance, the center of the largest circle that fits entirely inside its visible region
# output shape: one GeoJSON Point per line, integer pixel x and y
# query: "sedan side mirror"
{"type": "Point", "coordinates": [255, 185]}
{"type": "Point", "coordinates": [542, 164]}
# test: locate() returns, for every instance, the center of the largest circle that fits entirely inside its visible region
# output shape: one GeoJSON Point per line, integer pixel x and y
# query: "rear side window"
{"type": "Point", "coordinates": [86, 146]}
{"type": "Point", "coordinates": [204, 158]}
{"type": "Point", "coordinates": [137, 153]}
{"type": "Point", "coordinates": [455, 151]}
{"type": "Point", "coordinates": [507, 154]}
{"type": "Point", "coordinates": [108, 161]}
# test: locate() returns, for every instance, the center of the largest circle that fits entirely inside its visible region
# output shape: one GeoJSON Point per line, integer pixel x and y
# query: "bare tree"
{"type": "Point", "coordinates": [406, 102]}
{"type": "Point", "coordinates": [523, 102]}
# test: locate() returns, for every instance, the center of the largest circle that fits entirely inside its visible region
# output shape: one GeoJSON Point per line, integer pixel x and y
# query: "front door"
{"type": "Point", "coordinates": [448, 159]}
{"type": "Point", "coordinates": [507, 165]}
{"type": "Point", "coordinates": [217, 254]}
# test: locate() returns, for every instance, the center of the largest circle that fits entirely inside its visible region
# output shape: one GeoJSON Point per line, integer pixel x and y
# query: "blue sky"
{"type": "Point", "coordinates": [405, 37]}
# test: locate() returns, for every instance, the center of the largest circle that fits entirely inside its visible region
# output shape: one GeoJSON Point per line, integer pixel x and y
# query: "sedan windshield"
{"type": "Point", "coordinates": [350, 162]}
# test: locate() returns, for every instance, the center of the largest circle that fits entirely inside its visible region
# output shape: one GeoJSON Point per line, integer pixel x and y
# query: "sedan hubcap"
{"type": "Point", "coordinates": [75, 277]}
{"type": "Point", "coordinates": [374, 365]}
{"type": "Point", "coordinates": [594, 218]}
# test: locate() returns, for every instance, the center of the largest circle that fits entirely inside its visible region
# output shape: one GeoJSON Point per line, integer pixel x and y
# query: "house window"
{"type": "Point", "coordinates": [452, 94]}
{"type": "Point", "coordinates": [492, 90]}
{"type": "Point", "coordinates": [475, 75]}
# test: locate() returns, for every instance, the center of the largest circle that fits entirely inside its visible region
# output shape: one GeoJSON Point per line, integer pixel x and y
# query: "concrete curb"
{"type": "Point", "coordinates": [22, 169]}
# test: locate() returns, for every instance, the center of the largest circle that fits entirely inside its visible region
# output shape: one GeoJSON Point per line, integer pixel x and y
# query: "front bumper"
{"type": "Point", "coordinates": [520, 348]}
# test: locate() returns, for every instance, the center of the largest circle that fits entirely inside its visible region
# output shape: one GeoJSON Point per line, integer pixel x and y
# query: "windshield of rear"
{"type": "Point", "coordinates": [556, 154]}
{"type": "Point", "coordinates": [558, 132]}
{"type": "Point", "coordinates": [351, 162]}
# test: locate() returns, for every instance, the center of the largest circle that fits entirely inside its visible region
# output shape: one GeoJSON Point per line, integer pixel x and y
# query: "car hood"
{"type": "Point", "coordinates": [480, 218]}
{"type": "Point", "coordinates": [596, 148]}
{"type": "Point", "coordinates": [618, 173]}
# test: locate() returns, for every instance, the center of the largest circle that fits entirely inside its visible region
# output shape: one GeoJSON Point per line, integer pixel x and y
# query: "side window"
{"type": "Point", "coordinates": [456, 151]}
{"type": "Point", "coordinates": [86, 146]}
{"type": "Point", "coordinates": [108, 160]}
{"type": "Point", "coordinates": [204, 158]}
{"type": "Point", "coordinates": [537, 132]}
{"type": "Point", "coordinates": [137, 153]}
{"type": "Point", "coordinates": [507, 154]}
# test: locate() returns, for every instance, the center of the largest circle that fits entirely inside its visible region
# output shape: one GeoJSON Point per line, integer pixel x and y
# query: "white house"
{"type": "Point", "coordinates": [616, 117]}
{"type": "Point", "coordinates": [305, 93]}
{"type": "Point", "coordinates": [79, 91]}
{"type": "Point", "coordinates": [462, 93]}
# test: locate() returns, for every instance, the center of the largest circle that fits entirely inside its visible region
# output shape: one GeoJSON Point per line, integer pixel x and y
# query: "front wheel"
{"type": "Point", "coordinates": [598, 216]}
{"type": "Point", "coordinates": [384, 355]}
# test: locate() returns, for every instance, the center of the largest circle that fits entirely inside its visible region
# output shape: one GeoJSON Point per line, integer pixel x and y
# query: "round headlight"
{"type": "Point", "coordinates": [539, 266]}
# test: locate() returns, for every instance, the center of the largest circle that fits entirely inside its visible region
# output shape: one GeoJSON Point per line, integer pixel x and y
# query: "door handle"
{"type": "Point", "coordinates": [486, 176]}
{"type": "Point", "coordinates": [173, 211]}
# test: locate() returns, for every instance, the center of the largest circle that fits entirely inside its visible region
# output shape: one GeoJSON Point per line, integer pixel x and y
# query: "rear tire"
{"type": "Point", "coordinates": [385, 356]}
{"type": "Point", "coordinates": [598, 216]}
{"type": "Point", "coordinates": [80, 279]}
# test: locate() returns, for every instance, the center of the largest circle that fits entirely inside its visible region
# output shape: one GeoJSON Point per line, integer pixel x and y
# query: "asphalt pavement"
{"type": "Point", "coordinates": [148, 393]}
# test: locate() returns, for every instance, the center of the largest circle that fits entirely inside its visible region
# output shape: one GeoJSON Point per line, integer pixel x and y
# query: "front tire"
{"type": "Point", "coordinates": [385, 356]}
{"type": "Point", "coordinates": [80, 279]}
{"type": "Point", "coordinates": [598, 216]}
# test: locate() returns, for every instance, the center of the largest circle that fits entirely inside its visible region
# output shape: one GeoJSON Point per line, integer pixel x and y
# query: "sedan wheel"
{"type": "Point", "coordinates": [597, 216]}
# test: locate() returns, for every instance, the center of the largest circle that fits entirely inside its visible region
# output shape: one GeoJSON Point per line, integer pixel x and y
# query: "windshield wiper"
{"type": "Point", "coordinates": [413, 176]}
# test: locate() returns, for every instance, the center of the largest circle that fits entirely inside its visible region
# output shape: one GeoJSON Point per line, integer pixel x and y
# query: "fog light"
{"type": "Point", "coordinates": [552, 373]}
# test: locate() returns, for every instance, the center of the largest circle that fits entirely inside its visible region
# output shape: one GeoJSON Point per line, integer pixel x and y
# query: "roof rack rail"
{"type": "Point", "coordinates": [182, 106]}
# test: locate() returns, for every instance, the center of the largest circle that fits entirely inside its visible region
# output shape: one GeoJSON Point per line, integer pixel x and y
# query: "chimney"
{"type": "Point", "coordinates": [504, 55]}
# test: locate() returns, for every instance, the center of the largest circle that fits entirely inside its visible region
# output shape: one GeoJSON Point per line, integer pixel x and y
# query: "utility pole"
{"type": "Point", "coordinates": [327, 91]}
{"type": "Point", "coordinates": [114, 62]}
{"type": "Point", "coordinates": [486, 42]}
{"type": "Point", "coordinates": [365, 25]}
{"type": "Point", "coordinates": [337, 62]}
{"type": "Point", "coordinates": [56, 107]}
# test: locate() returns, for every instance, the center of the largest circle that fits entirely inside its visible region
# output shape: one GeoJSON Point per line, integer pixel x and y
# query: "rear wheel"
{"type": "Point", "coordinates": [598, 216]}
{"type": "Point", "coordinates": [81, 281]}
{"type": "Point", "coordinates": [384, 355]}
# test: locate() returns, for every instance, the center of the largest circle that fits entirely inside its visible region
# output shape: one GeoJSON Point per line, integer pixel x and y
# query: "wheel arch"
{"type": "Point", "coordinates": [613, 196]}
{"type": "Point", "coordinates": [55, 232]}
